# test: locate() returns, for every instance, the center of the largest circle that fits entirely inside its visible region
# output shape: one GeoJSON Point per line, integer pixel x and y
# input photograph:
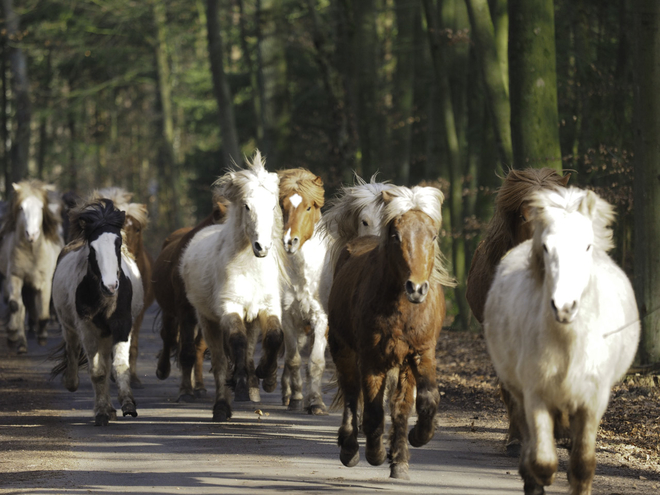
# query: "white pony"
{"type": "Point", "coordinates": [303, 316]}
{"type": "Point", "coordinates": [97, 293]}
{"type": "Point", "coordinates": [562, 326]}
{"type": "Point", "coordinates": [31, 240]}
{"type": "Point", "coordinates": [232, 274]}
{"type": "Point", "coordinates": [355, 212]}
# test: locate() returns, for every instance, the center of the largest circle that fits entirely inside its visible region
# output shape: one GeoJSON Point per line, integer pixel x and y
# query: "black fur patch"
{"type": "Point", "coordinates": [88, 297]}
{"type": "Point", "coordinates": [120, 321]}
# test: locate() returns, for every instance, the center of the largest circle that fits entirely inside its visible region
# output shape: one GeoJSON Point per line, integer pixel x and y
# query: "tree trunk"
{"type": "Point", "coordinates": [450, 136]}
{"type": "Point", "coordinates": [230, 147]}
{"type": "Point", "coordinates": [6, 165]}
{"type": "Point", "coordinates": [256, 95]}
{"type": "Point", "coordinates": [273, 69]}
{"type": "Point", "coordinates": [533, 84]}
{"type": "Point", "coordinates": [403, 98]}
{"type": "Point", "coordinates": [647, 176]}
{"type": "Point", "coordinates": [20, 87]}
{"type": "Point", "coordinates": [497, 97]}
{"type": "Point", "coordinates": [499, 13]}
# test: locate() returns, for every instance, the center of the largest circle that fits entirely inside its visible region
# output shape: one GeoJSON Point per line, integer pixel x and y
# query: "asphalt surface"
{"type": "Point", "coordinates": [175, 448]}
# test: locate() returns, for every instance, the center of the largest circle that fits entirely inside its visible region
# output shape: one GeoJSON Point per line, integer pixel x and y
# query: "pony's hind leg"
{"type": "Point", "coordinates": [271, 344]}
{"type": "Point", "coordinates": [373, 419]}
{"type": "Point", "coordinates": [215, 339]}
{"type": "Point", "coordinates": [315, 404]}
{"type": "Point", "coordinates": [292, 396]}
{"type": "Point", "coordinates": [16, 326]}
{"type": "Point", "coordinates": [187, 355]}
{"type": "Point", "coordinates": [134, 350]}
{"type": "Point", "coordinates": [401, 402]}
{"type": "Point", "coordinates": [428, 397]}
{"type": "Point", "coordinates": [582, 466]}
{"type": "Point", "coordinates": [168, 333]}
{"type": "Point", "coordinates": [200, 350]}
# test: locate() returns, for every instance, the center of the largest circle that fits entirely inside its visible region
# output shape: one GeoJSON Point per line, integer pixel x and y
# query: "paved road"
{"type": "Point", "coordinates": [175, 448]}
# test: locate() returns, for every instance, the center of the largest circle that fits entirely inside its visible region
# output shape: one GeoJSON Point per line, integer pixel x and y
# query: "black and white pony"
{"type": "Point", "coordinates": [97, 293]}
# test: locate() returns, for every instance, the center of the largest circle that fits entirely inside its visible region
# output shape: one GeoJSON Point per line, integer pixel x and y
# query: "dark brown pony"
{"type": "Point", "coordinates": [508, 228]}
{"type": "Point", "coordinates": [178, 319]}
{"type": "Point", "coordinates": [386, 310]}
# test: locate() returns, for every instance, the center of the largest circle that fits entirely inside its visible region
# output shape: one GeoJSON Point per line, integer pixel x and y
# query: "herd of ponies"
{"type": "Point", "coordinates": [364, 278]}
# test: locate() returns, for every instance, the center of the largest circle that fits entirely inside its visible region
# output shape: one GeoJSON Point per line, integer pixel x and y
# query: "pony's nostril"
{"type": "Point", "coordinates": [424, 288]}
{"type": "Point", "coordinates": [574, 305]}
{"type": "Point", "coordinates": [295, 241]}
{"type": "Point", "coordinates": [410, 287]}
{"type": "Point", "coordinates": [258, 247]}
{"type": "Point", "coordinates": [553, 305]}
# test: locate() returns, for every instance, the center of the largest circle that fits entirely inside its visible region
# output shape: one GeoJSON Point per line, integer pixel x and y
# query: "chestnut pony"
{"type": "Point", "coordinates": [386, 310]}
{"type": "Point", "coordinates": [178, 319]}
{"type": "Point", "coordinates": [303, 317]}
{"type": "Point", "coordinates": [509, 227]}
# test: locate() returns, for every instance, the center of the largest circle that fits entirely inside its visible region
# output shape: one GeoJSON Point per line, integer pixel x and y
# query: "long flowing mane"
{"type": "Point", "coordinates": [92, 216]}
{"type": "Point", "coordinates": [516, 189]}
{"type": "Point", "coordinates": [39, 189]}
{"type": "Point", "coordinates": [235, 185]}
{"type": "Point", "coordinates": [341, 221]}
{"type": "Point", "coordinates": [548, 204]}
{"type": "Point", "coordinates": [303, 182]}
{"type": "Point", "coordinates": [428, 200]}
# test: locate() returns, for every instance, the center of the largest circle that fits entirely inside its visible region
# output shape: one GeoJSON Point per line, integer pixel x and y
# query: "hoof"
{"type": "Point", "coordinates": [349, 459]}
{"type": "Point", "coordinates": [295, 405]}
{"type": "Point", "coordinates": [376, 457]}
{"type": "Point", "coordinates": [221, 412]}
{"type": "Point", "coordinates": [163, 371]}
{"type": "Point", "coordinates": [200, 393]}
{"type": "Point", "coordinates": [21, 348]}
{"type": "Point", "coordinates": [129, 409]}
{"type": "Point", "coordinates": [399, 471]}
{"type": "Point", "coordinates": [286, 400]}
{"type": "Point", "coordinates": [186, 398]}
{"type": "Point", "coordinates": [254, 394]}
{"type": "Point", "coordinates": [42, 341]}
{"type": "Point", "coordinates": [533, 488]}
{"type": "Point", "coordinates": [415, 441]}
{"type": "Point", "coordinates": [241, 391]}
{"type": "Point", "coordinates": [269, 383]}
{"type": "Point", "coordinates": [513, 448]}
{"type": "Point", "coordinates": [317, 410]}
{"type": "Point", "coordinates": [101, 419]}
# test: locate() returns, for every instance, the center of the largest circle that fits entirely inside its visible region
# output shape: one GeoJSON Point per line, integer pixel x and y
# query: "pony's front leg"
{"type": "Point", "coordinates": [291, 378]}
{"type": "Point", "coordinates": [134, 351]}
{"type": "Point", "coordinates": [253, 332]}
{"type": "Point", "coordinates": [200, 350]}
{"type": "Point", "coordinates": [235, 338]}
{"type": "Point", "coordinates": [428, 397]}
{"type": "Point", "coordinates": [16, 326]}
{"type": "Point", "coordinates": [122, 373]}
{"type": "Point", "coordinates": [271, 343]}
{"type": "Point", "coordinates": [187, 355]}
{"type": "Point", "coordinates": [584, 426]}
{"type": "Point", "coordinates": [315, 404]}
{"type": "Point", "coordinates": [214, 338]}
{"type": "Point", "coordinates": [538, 462]}
{"type": "Point", "coordinates": [98, 352]}
{"type": "Point", "coordinates": [373, 420]}
{"type": "Point", "coordinates": [401, 402]}
{"type": "Point", "coordinates": [72, 356]}
{"type": "Point", "coordinates": [345, 360]}
{"type": "Point", "coordinates": [42, 300]}
{"type": "Point", "coordinates": [168, 334]}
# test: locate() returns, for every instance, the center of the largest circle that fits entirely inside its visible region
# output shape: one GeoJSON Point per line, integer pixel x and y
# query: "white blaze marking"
{"type": "Point", "coordinates": [106, 257]}
{"type": "Point", "coordinates": [295, 200]}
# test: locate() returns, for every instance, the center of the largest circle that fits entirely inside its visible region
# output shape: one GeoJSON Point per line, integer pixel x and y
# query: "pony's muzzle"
{"type": "Point", "coordinates": [416, 293]}
{"type": "Point", "coordinates": [566, 313]}
{"type": "Point", "coordinates": [260, 251]}
{"type": "Point", "coordinates": [292, 245]}
{"type": "Point", "coordinates": [110, 289]}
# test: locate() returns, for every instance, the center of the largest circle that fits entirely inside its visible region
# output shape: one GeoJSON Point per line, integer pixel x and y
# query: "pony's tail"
{"type": "Point", "coordinates": [59, 354]}
{"type": "Point", "coordinates": [337, 403]}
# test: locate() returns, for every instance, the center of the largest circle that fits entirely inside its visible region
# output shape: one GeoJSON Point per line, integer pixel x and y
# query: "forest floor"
{"type": "Point", "coordinates": [629, 436]}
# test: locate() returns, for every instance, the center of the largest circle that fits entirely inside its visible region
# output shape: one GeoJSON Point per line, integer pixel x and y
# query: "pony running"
{"type": "Point", "coordinates": [561, 325]}
{"type": "Point", "coordinates": [97, 293]}
{"type": "Point", "coordinates": [232, 274]}
{"type": "Point", "coordinates": [301, 199]}
{"type": "Point", "coordinates": [509, 227]}
{"type": "Point", "coordinates": [31, 240]}
{"type": "Point", "coordinates": [178, 319]}
{"type": "Point", "coordinates": [386, 310]}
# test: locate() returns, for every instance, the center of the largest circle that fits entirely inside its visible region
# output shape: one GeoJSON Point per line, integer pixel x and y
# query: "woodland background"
{"type": "Point", "coordinates": [159, 96]}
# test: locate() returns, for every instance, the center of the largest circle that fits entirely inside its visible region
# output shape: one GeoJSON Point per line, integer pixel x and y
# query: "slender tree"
{"type": "Point", "coordinates": [647, 176]}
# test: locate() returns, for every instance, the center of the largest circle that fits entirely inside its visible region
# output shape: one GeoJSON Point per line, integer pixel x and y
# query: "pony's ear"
{"type": "Point", "coordinates": [589, 204]}
{"type": "Point", "coordinates": [386, 196]}
{"type": "Point", "coordinates": [219, 211]}
{"type": "Point", "coordinates": [50, 187]}
{"type": "Point", "coordinates": [229, 189]}
{"type": "Point", "coordinates": [318, 181]}
{"type": "Point", "coordinates": [564, 179]}
{"type": "Point", "coordinates": [17, 187]}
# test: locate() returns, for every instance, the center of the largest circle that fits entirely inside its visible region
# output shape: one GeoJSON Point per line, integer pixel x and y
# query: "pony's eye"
{"type": "Point", "coordinates": [588, 248]}
{"type": "Point", "coordinates": [247, 207]}
{"type": "Point", "coordinates": [435, 237]}
{"type": "Point", "coordinates": [365, 223]}
{"type": "Point", "coordinates": [309, 208]}
{"type": "Point", "coordinates": [545, 248]}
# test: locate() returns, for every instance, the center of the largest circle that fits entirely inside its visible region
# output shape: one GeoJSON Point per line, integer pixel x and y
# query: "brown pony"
{"type": "Point", "coordinates": [136, 221]}
{"type": "Point", "coordinates": [301, 198]}
{"type": "Point", "coordinates": [509, 227]}
{"type": "Point", "coordinates": [386, 310]}
{"type": "Point", "coordinates": [178, 319]}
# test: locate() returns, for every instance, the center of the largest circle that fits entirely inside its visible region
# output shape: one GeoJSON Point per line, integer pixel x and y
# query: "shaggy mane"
{"type": "Point", "coordinates": [92, 216]}
{"type": "Point", "coordinates": [428, 200]}
{"type": "Point", "coordinates": [303, 182]}
{"type": "Point", "coordinates": [122, 200]}
{"type": "Point", "coordinates": [32, 187]}
{"type": "Point", "coordinates": [517, 187]}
